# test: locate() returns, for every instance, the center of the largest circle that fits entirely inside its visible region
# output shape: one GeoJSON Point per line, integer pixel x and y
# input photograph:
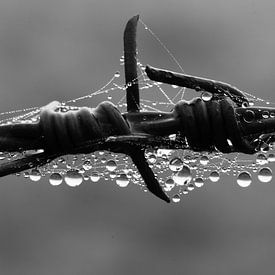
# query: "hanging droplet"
{"type": "Point", "coordinates": [198, 182]}
{"type": "Point", "coordinates": [55, 179]}
{"type": "Point", "coordinates": [152, 158]}
{"type": "Point", "coordinates": [73, 178]}
{"type": "Point", "coordinates": [190, 186]}
{"type": "Point", "coordinates": [206, 96]}
{"type": "Point", "coordinates": [117, 74]}
{"type": "Point", "coordinates": [35, 175]}
{"type": "Point", "coordinates": [271, 158]}
{"type": "Point", "coordinates": [111, 165]}
{"type": "Point", "coordinates": [122, 180]}
{"type": "Point", "coordinates": [175, 164]}
{"type": "Point", "coordinates": [265, 114]}
{"type": "Point", "coordinates": [265, 175]}
{"type": "Point", "coordinates": [176, 198]}
{"type": "Point", "coordinates": [261, 159]}
{"type": "Point", "coordinates": [183, 177]}
{"type": "Point", "coordinates": [249, 116]}
{"type": "Point", "coordinates": [214, 176]}
{"type": "Point", "coordinates": [244, 179]}
{"type": "Point", "coordinates": [204, 160]}
{"type": "Point", "coordinates": [94, 177]}
{"type": "Point", "coordinates": [169, 184]}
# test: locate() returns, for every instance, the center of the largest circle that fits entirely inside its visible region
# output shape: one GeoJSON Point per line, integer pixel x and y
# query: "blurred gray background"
{"type": "Point", "coordinates": [54, 50]}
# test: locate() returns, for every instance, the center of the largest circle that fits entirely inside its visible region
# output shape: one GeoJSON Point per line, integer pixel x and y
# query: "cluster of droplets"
{"type": "Point", "coordinates": [179, 172]}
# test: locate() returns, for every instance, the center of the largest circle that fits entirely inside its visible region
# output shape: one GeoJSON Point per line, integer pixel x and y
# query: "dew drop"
{"type": "Point", "coordinates": [175, 164]}
{"type": "Point", "coordinates": [183, 176]}
{"type": "Point", "coordinates": [244, 179]}
{"type": "Point", "coordinates": [176, 198]}
{"type": "Point", "coordinates": [122, 180]}
{"type": "Point", "coordinates": [35, 175]}
{"type": "Point", "coordinates": [169, 184]}
{"type": "Point", "coordinates": [111, 165]}
{"type": "Point", "coordinates": [198, 182]}
{"type": "Point", "coordinates": [175, 86]}
{"type": "Point", "coordinates": [117, 74]}
{"type": "Point", "coordinates": [190, 187]}
{"type": "Point", "coordinates": [206, 96]}
{"type": "Point", "coordinates": [265, 174]}
{"type": "Point", "coordinates": [55, 179]}
{"type": "Point", "coordinates": [214, 176]}
{"type": "Point", "coordinates": [73, 178]}
{"type": "Point", "coordinates": [94, 177]}
{"type": "Point", "coordinates": [152, 158]}
{"type": "Point", "coordinates": [265, 114]}
{"type": "Point", "coordinates": [204, 160]}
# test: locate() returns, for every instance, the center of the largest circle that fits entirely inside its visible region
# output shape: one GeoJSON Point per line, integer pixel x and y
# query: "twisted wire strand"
{"type": "Point", "coordinates": [63, 131]}
{"type": "Point", "coordinates": [212, 124]}
{"type": "Point", "coordinates": [205, 125]}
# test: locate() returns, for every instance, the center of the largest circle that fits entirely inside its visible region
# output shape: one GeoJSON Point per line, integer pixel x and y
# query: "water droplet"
{"type": "Point", "coordinates": [169, 184]}
{"type": "Point", "coordinates": [265, 114]}
{"type": "Point", "coordinates": [206, 96]}
{"type": "Point", "coordinates": [261, 159]}
{"type": "Point", "coordinates": [271, 158]}
{"type": "Point", "coordinates": [176, 198]}
{"type": "Point", "coordinates": [183, 177]}
{"type": "Point", "coordinates": [214, 176]}
{"type": "Point", "coordinates": [122, 180]}
{"type": "Point", "coordinates": [265, 174]}
{"type": "Point", "coordinates": [35, 175]}
{"type": "Point", "coordinates": [117, 74]}
{"type": "Point", "coordinates": [175, 164]}
{"type": "Point", "coordinates": [198, 182]}
{"type": "Point", "coordinates": [174, 86]}
{"type": "Point", "coordinates": [204, 160]}
{"type": "Point", "coordinates": [244, 179]}
{"type": "Point", "coordinates": [73, 178]}
{"type": "Point", "coordinates": [249, 116]}
{"type": "Point", "coordinates": [55, 179]}
{"type": "Point", "coordinates": [190, 187]}
{"type": "Point", "coordinates": [111, 165]}
{"type": "Point", "coordinates": [152, 158]}
{"type": "Point", "coordinates": [94, 177]}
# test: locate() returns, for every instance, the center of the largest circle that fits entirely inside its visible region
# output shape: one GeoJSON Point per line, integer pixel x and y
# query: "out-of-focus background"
{"type": "Point", "coordinates": [56, 50]}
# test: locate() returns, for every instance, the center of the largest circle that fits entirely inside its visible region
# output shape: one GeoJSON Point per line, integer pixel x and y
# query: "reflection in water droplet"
{"type": "Point", "coordinates": [183, 176]}
{"type": "Point", "coordinates": [111, 165]}
{"type": "Point", "coordinates": [94, 177]}
{"type": "Point", "coordinates": [87, 165]}
{"type": "Point", "coordinates": [244, 179]}
{"type": "Point", "coordinates": [204, 160]}
{"type": "Point", "coordinates": [199, 182]}
{"type": "Point", "coordinates": [175, 164]}
{"type": "Point", "coordinates": [214, 176]}
{"type": "Point", "coordinates": [73, 178]}
{"type": "Point", "coordinates": [122, 180]}
{"type": "Point", "coordinates": [35, 175]}
{"type": "Point", "coordinates": [176, 198]}
{"type": "Point", "coordinates": [206, 96]}
{"type": "Point", "coordinates": [265, 175]}
{"type": "Point", "coordinates": [55, 179]}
